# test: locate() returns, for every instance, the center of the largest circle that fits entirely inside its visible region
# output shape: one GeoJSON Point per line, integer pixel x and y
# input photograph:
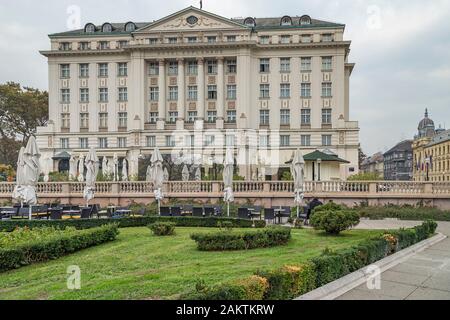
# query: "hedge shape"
{"type": "Point", "coordinates": [403, 213]}
{"type": "Point", "coordinates": [223, 241]}
{"type": "Point", "coordinates": [211, 222]}
{"type": "Point", "coordinates": [55, 247]}
{"type": "Point", "coordinates": [162, 228]}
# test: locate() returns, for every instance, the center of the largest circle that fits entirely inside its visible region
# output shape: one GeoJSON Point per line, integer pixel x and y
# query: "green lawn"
{"type": "Point", "coordinates": [140, 266]}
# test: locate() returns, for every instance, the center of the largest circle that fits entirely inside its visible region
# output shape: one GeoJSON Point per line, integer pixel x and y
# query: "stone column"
{"type": "Point", "coordinates": [181, 95]}
{"type": "Point", "coordinates": [162, 95]}
{"type": "Point", "coordinates": [220, 93]}
{"type": "Point", "coordinates": [201, 90]}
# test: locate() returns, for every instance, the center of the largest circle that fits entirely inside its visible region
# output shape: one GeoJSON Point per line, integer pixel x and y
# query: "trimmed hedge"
{"type": "Point", "coordinates": [212, 222]}
{"type": "Point", "coordinates": [292, 281]}
{"type": "Point", "coordinates": [403, 213]}
{"type": "Point", "coordinates": [222, 241]}
{"type": "Point", "coordinates": [162, 228]}
{"type": "Point", "coordinates": [42, 250]}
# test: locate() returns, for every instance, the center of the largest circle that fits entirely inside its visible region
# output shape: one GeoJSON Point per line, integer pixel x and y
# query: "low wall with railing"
{"type": "Point", "coordinates": [266, 193]}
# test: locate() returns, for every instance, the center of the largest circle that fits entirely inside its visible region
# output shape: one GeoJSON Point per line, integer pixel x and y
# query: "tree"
{"type": "Point", "coordinates": [9, 151]}
{"type": "Point", "coordinates": [22, 110]}
{"type": "Point", "coordinates": [361, 156]}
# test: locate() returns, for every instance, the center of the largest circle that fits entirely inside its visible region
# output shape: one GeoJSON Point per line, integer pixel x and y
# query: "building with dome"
{"type": "Point", "coordinates": [431, 152]}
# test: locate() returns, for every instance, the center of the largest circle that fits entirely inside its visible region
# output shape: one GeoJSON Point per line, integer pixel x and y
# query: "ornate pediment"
{"type": "Point", "coordinates": [192, 19]}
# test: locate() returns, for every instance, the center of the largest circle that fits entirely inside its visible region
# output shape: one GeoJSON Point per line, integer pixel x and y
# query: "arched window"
{"type": "Point", "coordinates": [107, 27]}
{"type": "Point", "coordinates": [286, 21]}
{"type": "Point", "coordinates": [250, 22]}
{"type": "Point", "coordinates": [89, 28]}
{"type": "Point", "coordinates": [305, 20]}
{"type": "Point", "coordinates": [130, 27]}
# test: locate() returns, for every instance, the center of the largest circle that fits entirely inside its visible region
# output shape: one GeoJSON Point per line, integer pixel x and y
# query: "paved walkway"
{"type": "Point", "coordinates": [424, 276]}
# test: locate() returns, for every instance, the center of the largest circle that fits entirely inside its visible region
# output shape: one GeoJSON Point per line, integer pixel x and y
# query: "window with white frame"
{"type": "Point", "coordinates": [172, 40]}
{"type": "Point", "coordinates": [264, 39]}
{"type": "Point", "coordinates": [327, 63]}
{"type": "Point", "coordinates": [231, 65]}
{"type": "Point", "coordinates": [65, 95]}
{"type": "Point", "coordinates": [326, 116]}
{"type": "Point", "coordinates": [192, 39]}
{"type": "Point", "coordinates": [306, 38]}
{"type": "Point", "coordinates": [305, 90]}
{"type": "Point", "coordinates": [103, 45]}
{"type": "Point", "coordinates": [264, 117]}
{"type": "Point", "coordinates": [103, 143]}
{"type": "Point", "coordinates": [189, 141]}
{"type": "Point", "coordinates": [231, 92]}
{"type": "Point", "coordinates": [84, 120]}
{"type": "Point", "coordinates": [84, 143]}
{"type": "Point", "coordinates": [284, 39]}
{"type": "Point", "coordinates": [64, 71]}
{"type": "Point", "coordinates": [192, 68]}
{"type": "Point", "coordinates": [326, 89]}
{"type": "Point", "coordinates": [173, 93]}
{"type": "Point", "coordinates": [153, 41]}
{"type": "Point", "coordinates": [173, 116]}
{"type": "Point", "coordinates": [285, 117]}
{"type": "Point", "coordinates": [65, 120]}
{"type": "Point", "coordinates": [212, 92]}
{"type": "Point", "coordinates": [151, 141]}
{"type": "Point", "coordinates": [305, 117]}
{"type": "Point", "coordinates": [154, 94]}
{"type": "Point", "coordinates": [285, 141]}
{"type": "Point", "coordinates": [123, 119]}
{"type": "Point", "coordinates": [83, 46]}
{"type": "Point", "coordinates": [209, 140]}
{"type": "Point", "coordinates": [65, 46]}
{"type": "Point", "coordinates": [121, 142]}
{"type": "Point", "coordinates": [122, 69]}
{"type": "Point", "coordinates": [285, 64]}
{"type": "Point", "coordinates": [211, 67]}
{"type": "Point", "coordinates": [192, 93]}
{"type": "Point", "coordinates": [305, 64]}
{"type": "Point", "coordinates": [153, 117]}
{"type": "Point", "coordinates": [102, 69]}
{"type": "Point", "coordinates": [264, 91]}
{"type": "Point", "coordinates": [305, 140]}
{"type": "Point", "coordinates": [212, 39]}
{"type": "Point", "coordinates": [231, 38]}
{"type": "Point", "coordinates": [328, 37]}
{"type": "Point", "coordinates": [231, 116]}
{"type": "Point", "coordinates": [192, 116]}
{"type": "Point", "coordinates": [264, 65]}
{"type": "Point", "coordinates": [170, 141]}
{"type": "Point", "coordinates": [84, 95]}
{"type": "Point", "coordinates": [211, 116]}
{"type": "Point", "coordinates": [173, 68]}
{"type": "Point", "coordinates": [84, 70]}
{"type": "Point", "coordinates": [264, 141]}
{"type": "Point", "coordinates": [230, 140]}
{"type": "Point", "coordinates": [64, 143]}
{"type": "Point", "coordinates": [326, 140]}
{"type": "Point", "coordinates": [285, 90]}
{"type": "Point", "coordinates": [103, 94]}
{"type": "Point", "coordinates": [103, 120]}
{"type": "Point", "coordinates": [153, 68]}
{"type": "Point", "coordinates": [123, 94]}
{"type": "Point", "coordinates": [122, 44]}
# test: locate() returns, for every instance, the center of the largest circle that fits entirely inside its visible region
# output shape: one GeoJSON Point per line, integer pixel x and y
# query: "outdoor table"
{"type": "Point", "coordinates": [253, 214]}
{"type": "Point", "coordinates": [71, 213]}
{"type": "Point", "coordinates": [123, 212]}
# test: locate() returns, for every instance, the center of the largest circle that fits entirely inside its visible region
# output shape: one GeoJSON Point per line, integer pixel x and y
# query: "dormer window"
{"type": "Point", "coordinates": [250, 22]}
{"type": "Point", "coordinates": [305, 20]}
{"type": "Point", "coordinates": [89, 28]}
{"type": "Point", "coordinates": [107, 28]}
{"type": "Point", "coordinates": [130, 27]}
{"type": "Point", "coordinates": [286, 21]}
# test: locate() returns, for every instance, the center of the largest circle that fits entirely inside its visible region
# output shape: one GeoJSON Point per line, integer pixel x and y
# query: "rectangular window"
{"type": "Point", "coordinates": [64, 143]}
{"type": "Point", "coordinates": [103, 45]}
{"type": "Point", "coordinates": [192, 39]}
{"type": "Point", "coordinates": [65, 46]}
{"type": "Point", "coordinates": [285, 141]}
{"type": "Point", "coordinates": [192, 93]}
{"type": "Point", "coordinates": [122, 69]}
{"type": "Point", "coordinates": [123, 119]}
{"type": "Point", "coordinates": [212, 92]}
{"type": "Point", "coordinates": [103, 94]}
{"type": "Point", "coordinates": [230, 140]}
{"type": "Point", "coordinates": [172, 40]}
{"type": "Point", "coordinates": [231, 38]}
{"type": "Point", "coordinates": [103, 120]}
{"type": "Point", "coordinates": [285, 117]}
{"type": "Point", "coordinates": [122, 44]}
{"type": "Point", "coordinates": [84, 70]}
{"type": "Point", "coordinates": [84, 120]}
{"type": "Point", "coordinates": [64, 71]}
{"type": "Point", "coordinates": [306, 117]}
{"type": "Point", "coordinates": [285, 39]}
{"type": "Point", "coordinates": [189, 141]}
{"type": "Point", "coordinates": [305, 140]}
{"type": "Point", "coordinates": [153, 69]}
{"type": "Point", "coordinates": [65, 95]}
{"type": "Point", "coordinates": [264, 65]}
{"type": "Point", "coordinates": [231, 116]}
{"type": "Point", "coordinates": [328, 37]}
{"type": "Point", "coordinates": [326, 116]}
{"type": "Point", "coordinates": [231, 92]}
{"type": "Point", "coordinates": [170, 141]}
{"type": "Point", "coordinates": [326, 89]}
{"type": "Point", "coordinates": [65, 120]}
{"type": "Point", "coordinates": [154, 93]}
{"type": "Point", "coordinates": [231, 66]}
{"type": "Point", "coordinates": [209, 140]}
{"type": "Point", "coordinates": [306, 38]}
{"type": "Point", "coordinates": [326, 140]}
{"type": "Point", "coordinates": [327, 63]}
{"type": "Point", "coordinates": [123, 94]}
{"type": "Point", "coordinates": [173, 93]}
{"type": "Point", "coordinates": [264, 40]}
{"type": "Point", "coordinates": [192, 68]}
{"type": "Point", "coordinates": [84, 143]}
{"type": "Point", "coordinates": [285, 90]}
{"type": "Point", "coordinates": [122, 142]}
{"type": "Point", "coordinates": [305, 90]}
{"type": "Point", "coordinates": [192, 116]}
{"type": "Point", "coordinates": [211, 66]}
{"type": "Point", "coordinates": [305, 64]}
{"type": "Point", "coordinates": [285, 64]}
{"type": "Point", "coordinates": [264, 141]}
{"type": "Point", "coordinates": [151, 141]}
{"type": "Point", "coordinates": [103, 143]}
{"type": "Point", "coordinates": [212, 39]}
{"type": "Point", "coordinates": [84, 95]}
{"type": "Point", "coordinates": [173, 116]}
{"type": "Point", "coordinates": [173, 68]}
{"type": "Point", "coordinates": [264, 117]}
{"type": "Point", "coordinates": [102, 69]}
{"type": "Point", "coordinates": [211, 116]}
{"type": "Point", "coordinates": [153, 41]}
{"type": "Point", "coordinates": [264, 91]}
{"type": "Point", "coordinates": [153, 118]}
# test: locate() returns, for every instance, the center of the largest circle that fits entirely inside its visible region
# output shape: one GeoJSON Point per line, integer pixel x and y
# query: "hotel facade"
{"type": "Point", "coordinates": [194, 83]}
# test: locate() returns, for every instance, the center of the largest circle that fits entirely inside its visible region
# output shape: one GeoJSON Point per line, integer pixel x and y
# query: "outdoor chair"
{"type": "Point", "coordinates": [94, 210]}
{"type": "Point", "coordinates": [269, 214]}
{"type": "Point", "coordinates": [197, 212]}
{"type": "Point", "coordinates": [164, 211]}
{"type": "Point", "coordinates": [86, 213]}
{"type": "Point", "coordinates": [209, 211]}
{"type": "Point", "coordinates": [56, 214]}
{"type": "Point", "coordinates": [304, 215]}
{"type": "Point", "coordinates": [175, 211]}
{"type": "Point", "coordinates": [218, 211]}
{"type": "Point", "coordinates": [7, 213]}
{"type": "Point", "coordinates": [66, 208]}
{"type": "Point", "coordinates": [243, 213]}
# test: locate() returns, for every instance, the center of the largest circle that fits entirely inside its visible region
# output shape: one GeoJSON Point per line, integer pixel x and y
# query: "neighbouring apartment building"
{"type": "Point", "coordinates": [398, 162]}
{"type": "Point", "coordinates": [194, 83]}
{"type": "Point", "coordinates": [374, 164]}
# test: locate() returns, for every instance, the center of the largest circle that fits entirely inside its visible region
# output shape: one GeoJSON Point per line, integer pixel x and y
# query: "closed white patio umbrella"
{"type": "Point", "coordinates": [92, 168]}
{"type": "Point", "coordinates": [185, 174]}
{"type": "Point", "coordinates": [115, 167]}
{"type": "Point", "coordinates": [124, 170]}
{"type": "Point", "coordinates": [81, 168]}
{"type": "Point", "coordinates": [198, 174]}
{"type": "Point", "coordinates": [105, 167]}
{"type": "Point", "coordinates": [158, 177]}
{"type": "Point", "coordinates": [228, 178]}
{"type": "Point", "coordinates": [72, 168]}
{"type": "Point", "coordinates": [148, 175]}
{"type": "Point", "coordinates": [298, 173]}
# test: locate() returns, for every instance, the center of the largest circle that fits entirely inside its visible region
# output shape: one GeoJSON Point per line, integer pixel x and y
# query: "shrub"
{"type": "Point", "coordinates": [334, 221]}
{"type": "Point", "coordinates": [162, 228]}
{"type": "Point", "coordinates": [403, 213]}
{"type": "Point", "coordinates": [222, 241]}
{"type": "Point", "coordinates": [54, 246]}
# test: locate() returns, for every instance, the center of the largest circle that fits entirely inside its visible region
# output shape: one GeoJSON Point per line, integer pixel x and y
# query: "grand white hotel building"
{"type": "Point", "coordinates": [198, 81]}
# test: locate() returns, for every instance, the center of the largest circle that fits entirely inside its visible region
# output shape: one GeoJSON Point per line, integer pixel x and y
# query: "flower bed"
{"type": "Point", "coordinates": [25, 246]}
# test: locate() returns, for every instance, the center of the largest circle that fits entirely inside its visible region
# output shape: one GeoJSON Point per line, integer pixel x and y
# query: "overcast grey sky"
{"type": "Point", "coordinates": [401, 49]}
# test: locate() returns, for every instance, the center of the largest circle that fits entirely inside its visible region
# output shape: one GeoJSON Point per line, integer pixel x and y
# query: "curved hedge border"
{"type": "Point", "coordinates": [290, 282]}
{"type": "Point", "coordinates": [403, 213]}
{"type": "Point", "coordinates": [222, 241]}
{"type": "Point", "coordinates": [58, 246]}
{"type": "Point", "coordinates": [212, 222]}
